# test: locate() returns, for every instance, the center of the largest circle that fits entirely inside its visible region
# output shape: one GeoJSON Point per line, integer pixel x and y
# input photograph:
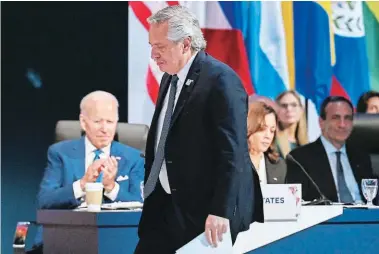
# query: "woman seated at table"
{"type": "Point", "coordinates": [261, 128]}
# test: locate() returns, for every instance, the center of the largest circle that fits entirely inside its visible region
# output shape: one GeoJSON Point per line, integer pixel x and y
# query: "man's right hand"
{"type": "Point", "coordinates": [92, 173]}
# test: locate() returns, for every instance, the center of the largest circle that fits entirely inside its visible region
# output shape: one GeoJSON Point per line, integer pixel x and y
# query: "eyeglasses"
{"type": "Point", "coordinates": [287, 105]}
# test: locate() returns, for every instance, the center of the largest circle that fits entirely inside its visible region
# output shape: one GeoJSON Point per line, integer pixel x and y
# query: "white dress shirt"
{"type": "Point", "coordinates": [347, 171]}
{"type": "Point", "coordinates": [89, 157]}
{"type": "Point", "coordinates": [262, 173]}
{"type": "Point", "coordinates": [182, 74]}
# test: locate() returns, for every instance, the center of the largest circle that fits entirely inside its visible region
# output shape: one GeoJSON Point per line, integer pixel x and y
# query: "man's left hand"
{"type": "Point", "coordinates": [109, 168]}
{"type": "Point", "coordinates": [215, 227]}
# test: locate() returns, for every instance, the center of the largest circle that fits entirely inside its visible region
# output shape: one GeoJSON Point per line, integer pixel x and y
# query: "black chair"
{"type": "Point", "coordinates": [365, 136]}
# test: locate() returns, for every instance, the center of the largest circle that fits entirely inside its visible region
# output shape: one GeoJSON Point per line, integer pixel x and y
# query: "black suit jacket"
{"type": "Point", "coordinates": [275, 171]}
{"type": "Point", "coordinates": [314, 159]}
{"type": "Point", "coordinates": [206, 152]}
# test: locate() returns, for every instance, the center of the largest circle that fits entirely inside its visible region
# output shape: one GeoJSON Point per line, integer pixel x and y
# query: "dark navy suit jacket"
{"type": "Point", "coordinates": [206, 153]}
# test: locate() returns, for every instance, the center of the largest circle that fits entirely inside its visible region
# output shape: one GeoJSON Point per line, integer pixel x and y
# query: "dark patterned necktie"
{"type": "Point", "coordinates": [159, 155]}
{"type": "Point", "coordinates": [343, 190]}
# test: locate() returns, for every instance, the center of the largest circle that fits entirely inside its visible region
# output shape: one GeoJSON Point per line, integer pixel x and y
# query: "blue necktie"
{"type": "Point", "coordinates": [97, 156]}
{"type": "Point", "coordinates": [343, 190]}
{"type": "Point", "coordinates": [159, 156]}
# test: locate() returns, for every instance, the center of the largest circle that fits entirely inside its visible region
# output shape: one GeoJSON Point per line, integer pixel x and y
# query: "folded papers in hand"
{"type": "Point", "coordinates": [200, 245]}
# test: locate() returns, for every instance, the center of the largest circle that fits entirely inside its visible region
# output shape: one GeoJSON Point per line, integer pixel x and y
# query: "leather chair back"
{"type": "Point", "coordinates": [365, 136]}
{"type": "Point", "coordinates": [134, 135]}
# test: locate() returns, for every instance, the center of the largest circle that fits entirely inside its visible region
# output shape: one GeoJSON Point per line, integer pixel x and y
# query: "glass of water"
{"type": "Point", "coordinates": [369, 189]}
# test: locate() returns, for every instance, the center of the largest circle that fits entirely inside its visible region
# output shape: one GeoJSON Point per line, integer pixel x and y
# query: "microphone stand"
{"type": "Point", "coordinates": [320, 201]}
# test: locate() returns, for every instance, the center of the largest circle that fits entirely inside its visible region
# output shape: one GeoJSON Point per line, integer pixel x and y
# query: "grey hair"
{"type": "Point", "coordinates": [97, 96]}
{"type": "Point", "coordinates": [181, 24]}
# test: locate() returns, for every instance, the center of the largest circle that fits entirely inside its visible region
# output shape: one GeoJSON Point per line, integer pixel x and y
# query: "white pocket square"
{"type": "Point", "coordinates": [122, 178]}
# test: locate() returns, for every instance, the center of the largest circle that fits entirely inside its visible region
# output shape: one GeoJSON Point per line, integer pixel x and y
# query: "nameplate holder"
{"type": "Point", "coordinates": [281, 202]}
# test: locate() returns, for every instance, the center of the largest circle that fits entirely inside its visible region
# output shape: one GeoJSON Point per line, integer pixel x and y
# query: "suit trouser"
{"type": "Point", "coordinates": [169, 232]}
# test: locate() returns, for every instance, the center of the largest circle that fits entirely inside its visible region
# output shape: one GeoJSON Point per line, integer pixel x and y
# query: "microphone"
{"type": "Point", "coordinates": [322, 200]}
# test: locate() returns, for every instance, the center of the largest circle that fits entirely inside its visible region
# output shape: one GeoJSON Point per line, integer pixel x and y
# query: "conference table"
{"type": "Point", "coordinates": [355, 230]}
{"type": "Point", "coordinates": [320, 229]}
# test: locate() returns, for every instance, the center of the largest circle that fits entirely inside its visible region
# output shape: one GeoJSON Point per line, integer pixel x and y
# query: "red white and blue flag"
{"type": "Point", "coordinates": [273, 47]}
{"type": "Point", "coordinates": [227, 29]}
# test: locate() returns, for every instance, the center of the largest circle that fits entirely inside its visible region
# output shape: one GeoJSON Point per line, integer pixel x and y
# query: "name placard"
{"type": "Point", "coordinates": [281, 202]}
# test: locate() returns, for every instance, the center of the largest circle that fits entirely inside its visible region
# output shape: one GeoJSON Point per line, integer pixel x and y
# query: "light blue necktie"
{"type": "Point", "coordinates": [159, 156]}
{"type": "Point", "coordinates": [343, 190]}
{"type": "Point", "coordinates": [97, 156]}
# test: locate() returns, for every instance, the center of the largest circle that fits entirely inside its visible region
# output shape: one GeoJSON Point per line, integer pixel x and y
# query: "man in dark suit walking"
{"type": "Point", "coordinates": [337, 167]}
{"type": "Point", "coordinates": [198, 176]}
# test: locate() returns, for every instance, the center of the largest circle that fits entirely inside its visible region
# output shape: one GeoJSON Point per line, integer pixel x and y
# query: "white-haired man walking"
{"type": "Point", "coordinates": [198, 173]}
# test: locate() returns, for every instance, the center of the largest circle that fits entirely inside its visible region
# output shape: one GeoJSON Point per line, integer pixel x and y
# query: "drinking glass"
{"type": "Point", "coordinates": [369, 189]}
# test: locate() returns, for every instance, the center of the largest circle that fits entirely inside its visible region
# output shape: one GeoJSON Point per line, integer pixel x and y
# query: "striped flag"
{"type": "Point", "coordinates": [265, 40]}
{"type": "Point", "coordinates": [241, 34]}
{"type": "Point", "coordinates": [351, 67]}
{"type": "Point", "coordinates": [318, 48]}
{"type": "Point", "coordinates": [371, 23]}
{"type": "Point", "coordinates": [313, 54]}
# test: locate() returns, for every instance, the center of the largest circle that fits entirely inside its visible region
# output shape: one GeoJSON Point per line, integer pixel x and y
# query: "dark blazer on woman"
{"type": "Point", "coordinates": [276, 171]}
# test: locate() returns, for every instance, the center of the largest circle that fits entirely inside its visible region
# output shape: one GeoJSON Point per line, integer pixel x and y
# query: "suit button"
{"type": "Point", "coordinates": [169, 162]}
{"type": "Point", "coordinates": [172, 190]}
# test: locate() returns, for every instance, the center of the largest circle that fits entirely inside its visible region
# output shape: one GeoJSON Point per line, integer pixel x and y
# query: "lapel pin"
{"type": "Point", "coordinates": [189, 82]}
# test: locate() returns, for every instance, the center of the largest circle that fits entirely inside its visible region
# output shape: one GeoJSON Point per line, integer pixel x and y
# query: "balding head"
{"type": "Point", "coordinates": [99, 117]}
{"type": "Point", "coordinates": [92, 98]}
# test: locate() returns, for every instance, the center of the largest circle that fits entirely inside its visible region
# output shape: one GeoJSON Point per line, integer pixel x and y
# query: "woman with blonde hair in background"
{"type": "Point", "coordinates": [261, 130]}
{"type": "Point", "coordinates": [292, 127]}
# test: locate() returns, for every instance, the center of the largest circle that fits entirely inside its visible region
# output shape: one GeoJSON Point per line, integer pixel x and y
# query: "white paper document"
{"type": "Point", "coordinates": [116, 205]}
{"type": "Point", "coordinates": [201, 245]}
